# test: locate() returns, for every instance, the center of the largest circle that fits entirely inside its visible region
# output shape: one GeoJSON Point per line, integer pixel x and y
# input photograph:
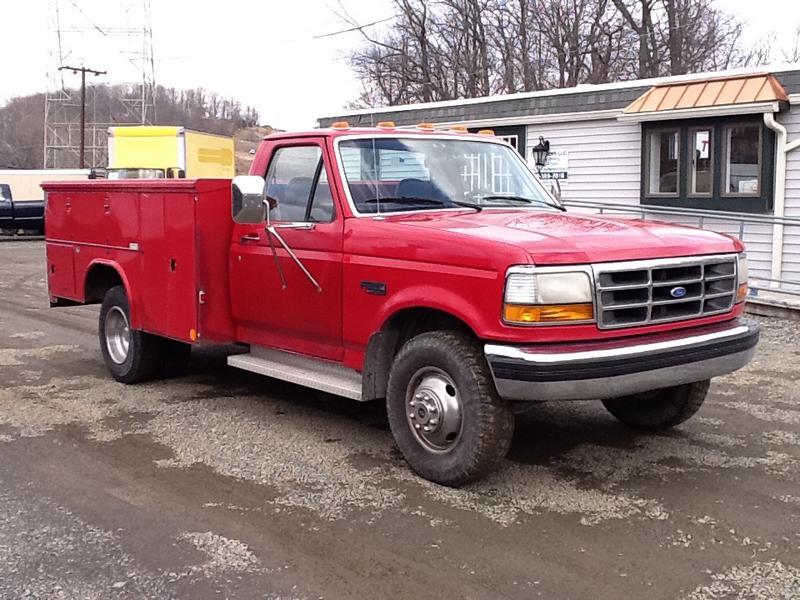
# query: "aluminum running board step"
{"type": "Point", "coordinates": [314, 373]}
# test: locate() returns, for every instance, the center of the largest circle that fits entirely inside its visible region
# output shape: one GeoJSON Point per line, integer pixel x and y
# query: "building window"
{"type": "Point", "coordinates": [664, 164]}
{"type": "Point", "coordinates": [721, 164]}
{"type": "Point", "coordinates": [702, 147]}
{"type": "Point", "coordinates": [742, 160]}
{"type": "Point", "coordinates": [514, 135]}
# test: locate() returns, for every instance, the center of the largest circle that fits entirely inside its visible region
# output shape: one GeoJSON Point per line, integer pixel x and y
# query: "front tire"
{"type": "Point", "coordinates": [444, 411]}
{"type": "Point", "coordinates": [659, 409]}
{"type": "Point", "coordinates": [131, 356]}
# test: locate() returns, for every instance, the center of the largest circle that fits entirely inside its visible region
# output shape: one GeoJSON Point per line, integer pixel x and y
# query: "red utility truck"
{"type": "Point", "coordinates": [427, 268]}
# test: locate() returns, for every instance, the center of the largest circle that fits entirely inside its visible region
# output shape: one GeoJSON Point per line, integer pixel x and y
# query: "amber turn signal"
{"type": "Point", "coordinates": [741, 293]}
{"type": "Point", "coordinates": [385, 125]}
{"type": "Point", "coordinates": [521, 313]}
{"type": "Point", "coordinates": [340, 125]}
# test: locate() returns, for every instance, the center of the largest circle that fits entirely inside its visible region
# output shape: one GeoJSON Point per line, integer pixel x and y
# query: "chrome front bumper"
{"type": "Point", "coordinates": [618, 367]}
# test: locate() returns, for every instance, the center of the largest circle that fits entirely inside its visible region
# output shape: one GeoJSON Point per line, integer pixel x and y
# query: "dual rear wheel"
{"type": "Point", "coordinates": [134, 356]}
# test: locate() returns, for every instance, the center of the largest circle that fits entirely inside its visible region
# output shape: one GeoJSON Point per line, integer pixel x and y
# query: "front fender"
{"type": "Point", "coordinates": [461, 306]}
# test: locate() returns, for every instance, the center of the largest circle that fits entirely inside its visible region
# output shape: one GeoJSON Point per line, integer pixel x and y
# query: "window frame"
{"type": "Point", "coordinates": [648, 162]}
{"type": "Point", "coordinates": [717, 200]}
{"type": "Point", "coordinates": [322, 166]}
{"type": "Point", "coordinates": [692, 180]}
{"type": "Point", "coordinates": [724, 164]}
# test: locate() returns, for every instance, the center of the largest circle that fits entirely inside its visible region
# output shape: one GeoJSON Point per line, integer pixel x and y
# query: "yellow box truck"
{"type": "Point", "coordinates": [160, 152]}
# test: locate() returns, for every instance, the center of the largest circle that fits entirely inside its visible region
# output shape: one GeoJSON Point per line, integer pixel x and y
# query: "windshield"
{"type": "Point", "coordinates": [388, 174]}
{"type": "Point", "coordinates": [135, 174]}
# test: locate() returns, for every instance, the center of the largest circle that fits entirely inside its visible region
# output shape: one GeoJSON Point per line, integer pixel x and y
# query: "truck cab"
{"type": "Point", "coordinates": [428, 269]}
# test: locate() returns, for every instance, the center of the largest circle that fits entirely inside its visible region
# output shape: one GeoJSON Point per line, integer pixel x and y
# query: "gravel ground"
{"type": "Point", "coordinates": [224, 484]}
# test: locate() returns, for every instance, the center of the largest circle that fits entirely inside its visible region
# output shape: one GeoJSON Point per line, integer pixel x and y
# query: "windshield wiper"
{"type": "Point", "coordinates": [405, 200]}
{"type": "Point", "coordinates": [418, 200]}
{"type": "Point", "coordinates": [513, 198]}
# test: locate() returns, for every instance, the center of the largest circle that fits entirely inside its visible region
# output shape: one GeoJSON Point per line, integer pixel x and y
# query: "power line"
{"type": "Point", "coordinates": [351, 29]}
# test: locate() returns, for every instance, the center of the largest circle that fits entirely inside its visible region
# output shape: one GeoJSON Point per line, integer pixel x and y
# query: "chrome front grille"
{"type": "Point", "coordinates": [633, 293]}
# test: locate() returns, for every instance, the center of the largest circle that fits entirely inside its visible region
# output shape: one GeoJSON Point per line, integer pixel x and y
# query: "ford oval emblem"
{"type": "Point", "coordinates": [678, 292]}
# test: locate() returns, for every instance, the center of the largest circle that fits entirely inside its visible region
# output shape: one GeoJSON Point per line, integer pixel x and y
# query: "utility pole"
{"type": "Point", "coordinates": [83, 71]}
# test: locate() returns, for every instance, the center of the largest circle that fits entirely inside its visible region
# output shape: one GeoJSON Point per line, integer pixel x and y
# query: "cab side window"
{"type": "Point", "coordinates": [297, 185]}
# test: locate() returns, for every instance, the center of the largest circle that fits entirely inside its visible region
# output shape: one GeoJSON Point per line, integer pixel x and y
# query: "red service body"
{"type": "Point", "coordinates": [167, 242]}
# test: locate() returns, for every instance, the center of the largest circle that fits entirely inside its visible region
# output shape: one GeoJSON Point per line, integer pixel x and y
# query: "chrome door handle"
{"type": "Point", "coordinates": [250, 237]}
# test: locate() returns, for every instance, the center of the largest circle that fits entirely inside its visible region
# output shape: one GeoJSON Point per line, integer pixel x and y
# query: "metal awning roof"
{"type": "Point", "coordinates": [760, 92]}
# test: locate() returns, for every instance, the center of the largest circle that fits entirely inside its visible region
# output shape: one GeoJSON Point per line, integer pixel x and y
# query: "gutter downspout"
{"type": "Point", "coordinates": [783, 148]}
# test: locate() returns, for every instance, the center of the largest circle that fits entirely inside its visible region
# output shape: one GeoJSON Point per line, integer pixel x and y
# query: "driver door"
{"type": "Point", "coordinates": [286, 278]}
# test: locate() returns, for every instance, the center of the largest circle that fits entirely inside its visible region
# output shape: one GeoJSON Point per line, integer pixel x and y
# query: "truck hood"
{"type": "Point", "coordinates": [570, 238]}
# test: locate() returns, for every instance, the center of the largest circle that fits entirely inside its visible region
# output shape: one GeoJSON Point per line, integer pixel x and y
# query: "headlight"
{"type": "Point", "coordinates": [537, 296]}
{"type": "Point", "coordinates": [743, 274]}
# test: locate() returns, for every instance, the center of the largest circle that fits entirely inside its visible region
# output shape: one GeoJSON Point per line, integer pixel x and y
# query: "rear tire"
{"type": "Point", "coordinates": [659, 409]}
{"type": "Point", "coordinates": [131, 356]}
{"type": "Point", "coordinates": [440, 380]}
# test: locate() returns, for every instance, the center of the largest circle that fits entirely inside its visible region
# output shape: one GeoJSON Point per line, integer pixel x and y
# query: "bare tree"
{"type": "Point", "coordinates": [446, 49]}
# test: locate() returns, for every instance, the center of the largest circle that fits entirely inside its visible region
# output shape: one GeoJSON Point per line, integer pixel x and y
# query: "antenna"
{"type": "Point", "coordinates": [115, 38]}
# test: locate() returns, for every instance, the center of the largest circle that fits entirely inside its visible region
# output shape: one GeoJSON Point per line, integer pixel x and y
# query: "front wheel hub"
{"type": "Point", "coordinates": [433, 410]}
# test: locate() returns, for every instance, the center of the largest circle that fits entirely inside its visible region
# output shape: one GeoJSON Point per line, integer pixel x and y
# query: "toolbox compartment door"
{"type": "Point", "coordinates": [169, 293]}
{"type": "Point", "coordinates": [61, 271]}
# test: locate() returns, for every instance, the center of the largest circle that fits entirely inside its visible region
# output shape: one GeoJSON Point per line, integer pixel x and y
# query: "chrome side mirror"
{"type": "Point", "coordinates": [248, 199]}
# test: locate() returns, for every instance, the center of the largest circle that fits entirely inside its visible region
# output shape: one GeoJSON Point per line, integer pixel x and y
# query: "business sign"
{"type": "Point", "coordinates": [556, 166]}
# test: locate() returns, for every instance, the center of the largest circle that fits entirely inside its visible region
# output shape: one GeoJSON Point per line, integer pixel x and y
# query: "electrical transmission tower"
{"type": "Point", "coordinates": [114, 40]}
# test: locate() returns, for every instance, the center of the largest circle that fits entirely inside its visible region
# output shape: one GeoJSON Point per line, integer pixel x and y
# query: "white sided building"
{"type": "Point", "coordinates": [714, 149]}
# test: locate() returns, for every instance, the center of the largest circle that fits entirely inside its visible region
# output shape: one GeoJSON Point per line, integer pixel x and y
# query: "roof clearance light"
{"type": "Point", "coordinates": [486, 132]}
{"type": "Point", "coordinates": [459, 128]}
{"type": "Point", "coordinates": [425, 126]}
{"type": "Point", "coordinates": [340, 125]}
{"type": "Point", "coordinates": [386, 125]}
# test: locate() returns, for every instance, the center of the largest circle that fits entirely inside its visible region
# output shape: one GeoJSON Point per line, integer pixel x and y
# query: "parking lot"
{"type": "Point", "coordinates": [223, 484]}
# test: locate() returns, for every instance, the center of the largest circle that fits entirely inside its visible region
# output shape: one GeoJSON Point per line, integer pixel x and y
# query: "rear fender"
{"type": "Point", "coordinates": [132, 304]}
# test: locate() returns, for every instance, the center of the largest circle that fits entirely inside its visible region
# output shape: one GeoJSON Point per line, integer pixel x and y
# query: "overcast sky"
{"type": "Point", "coordinates": [264, 53]}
